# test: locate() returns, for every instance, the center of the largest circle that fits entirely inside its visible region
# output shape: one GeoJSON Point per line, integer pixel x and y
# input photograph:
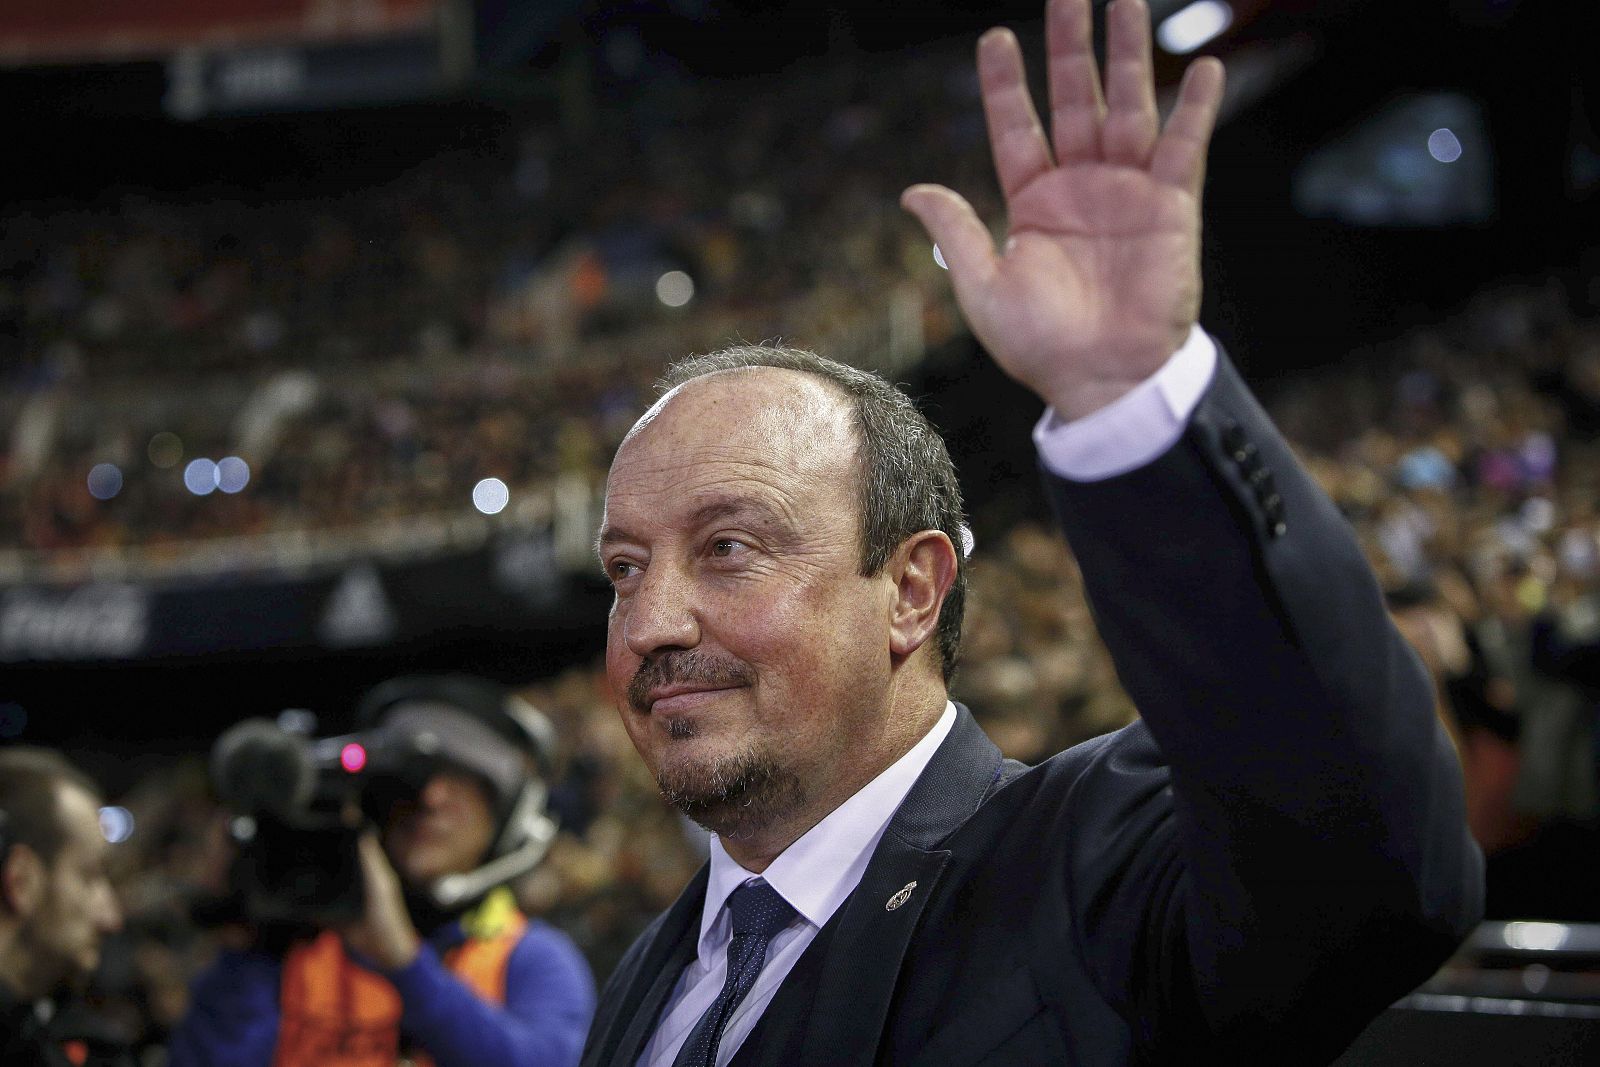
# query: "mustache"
{"type": "Point", "coordinates": [690, 666]}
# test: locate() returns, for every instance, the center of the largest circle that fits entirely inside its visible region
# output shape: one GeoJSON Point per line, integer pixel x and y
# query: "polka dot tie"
{"type": "Point", "coordinates": [758, 913]}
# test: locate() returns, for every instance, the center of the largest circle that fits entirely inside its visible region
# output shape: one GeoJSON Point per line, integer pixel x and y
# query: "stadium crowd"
{"type": "Point", "coordinates": [375, 354]}
{"type": "Point", "coordinates": [479, 316]}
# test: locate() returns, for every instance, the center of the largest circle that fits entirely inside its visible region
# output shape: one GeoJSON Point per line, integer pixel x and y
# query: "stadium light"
{"type": "Point", "coordinates": [675, 288]}
{"type": "Point", "coordinates": [1201, 22]}
{"type": "Point", "coordinates": [1537, 936]}
{"type": "Point", "coordinates": [105, 481]}
{"type": "Point", "coordinates": [1444, 145]}
{"type": "Point", "coordinates": [491, 496]}
{"type": "Point", "coordinates": [116, 824]}
{"type": "Point", "coordinates": [200, 476]}
{"type": "Point", "coordinates": [233, 474]}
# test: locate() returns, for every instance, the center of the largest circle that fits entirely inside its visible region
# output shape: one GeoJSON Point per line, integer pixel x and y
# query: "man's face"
{"type": "Point", "coordinates": [77, 907]}
{"type": "Point", "coordinates": [749, 656]}
{"type": "Point", "coordinates": [446, 828]}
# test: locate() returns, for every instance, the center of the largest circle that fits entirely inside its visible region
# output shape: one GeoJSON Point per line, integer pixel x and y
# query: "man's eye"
{"type": "Point", "coordinates": [620, 569]}
{"type": "Point", "coordinates": [725, 546]}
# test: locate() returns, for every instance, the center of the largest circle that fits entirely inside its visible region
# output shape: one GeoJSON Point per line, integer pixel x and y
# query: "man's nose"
{"type": "Point", "coordinates": [662, 614]}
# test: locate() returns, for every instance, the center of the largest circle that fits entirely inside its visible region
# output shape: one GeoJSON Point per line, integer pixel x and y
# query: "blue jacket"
{"type": "Point", "coordinates": [233, 1015]}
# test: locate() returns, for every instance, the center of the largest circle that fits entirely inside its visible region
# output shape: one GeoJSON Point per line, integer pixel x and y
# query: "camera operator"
{"type": "Point", "coordinates": [441, 968]}
{"type": "Point", "coordinates": [56, 905]}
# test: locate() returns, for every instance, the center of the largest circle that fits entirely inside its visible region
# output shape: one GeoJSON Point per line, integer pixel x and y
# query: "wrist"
{"type": "Point", "coordinates": [401, 951]}
{"type": "Point", "coordinates": [1082, 395]}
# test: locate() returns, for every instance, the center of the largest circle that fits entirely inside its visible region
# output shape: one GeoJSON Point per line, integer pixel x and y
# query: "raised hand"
{"type": "Point", "coordinates": [1099, 279]}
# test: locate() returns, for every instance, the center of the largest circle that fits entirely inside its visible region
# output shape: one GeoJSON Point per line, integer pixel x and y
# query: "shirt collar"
{"type": "Point", "coordinates": [818, 871]}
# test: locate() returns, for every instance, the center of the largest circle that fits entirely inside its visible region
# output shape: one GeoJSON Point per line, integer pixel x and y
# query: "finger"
{"type": "Point", "coordinates": [1180, 153]}
{"type": "Point", "coordinates": [1076, 106]}
{"type": "Point", "coordinates": [1015, 136]}
{"type": "Point", "coordinates": [962, 238]}
{"type": "Point", "coordinates": [1131, 120]}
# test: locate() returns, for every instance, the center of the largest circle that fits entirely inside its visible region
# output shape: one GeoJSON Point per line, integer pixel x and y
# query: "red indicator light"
{"type": "Point", "coordinates": [352, 757]}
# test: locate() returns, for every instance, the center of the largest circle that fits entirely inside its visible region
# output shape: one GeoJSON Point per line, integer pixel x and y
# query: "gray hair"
{"type": "Point", "coordinates": [906, 482]}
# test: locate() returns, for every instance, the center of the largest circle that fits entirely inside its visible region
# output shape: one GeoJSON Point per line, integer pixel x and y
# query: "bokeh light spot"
{"type": "Point", "coordinates": [165, 449]}
{"type": "Point", "coordinates": [200, 476]}
{"type": "Point", "coordinates": [105, 481]}
{"type": "Point", "coordinates": [1189, 28]}
{"type": "Point", "coordinates": [116, 824]}
{"type": "Point", "coordinates": [675, 288]}
{"type": "Point", "coordinates": [491, 496]}
{"type": "Point", "coordinates": [233, 474]}
{"type": "Point", "coordinates": [1444, 145]}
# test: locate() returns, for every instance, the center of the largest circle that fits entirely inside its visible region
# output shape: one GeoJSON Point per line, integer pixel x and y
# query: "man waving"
{"type": "Point", "coordinates": [1268, 858]}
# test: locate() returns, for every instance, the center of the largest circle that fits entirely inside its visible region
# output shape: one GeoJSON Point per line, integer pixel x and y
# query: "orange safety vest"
{"type": "Point", "coordinates": [336, 1013]}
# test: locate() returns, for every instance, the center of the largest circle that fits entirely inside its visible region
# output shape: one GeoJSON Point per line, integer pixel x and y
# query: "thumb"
{"type": "Point", "coordinates": [376, 870]}
{"type": "Point", "coordinates": [962, 239]}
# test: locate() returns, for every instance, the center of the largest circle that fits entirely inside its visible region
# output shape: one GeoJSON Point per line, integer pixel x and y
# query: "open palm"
{"type": "Point", "coordinates": [1099, 279]}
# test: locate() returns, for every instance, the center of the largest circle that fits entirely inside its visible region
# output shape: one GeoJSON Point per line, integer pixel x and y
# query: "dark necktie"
{"type": "Point", "coordinates": [758, 913]}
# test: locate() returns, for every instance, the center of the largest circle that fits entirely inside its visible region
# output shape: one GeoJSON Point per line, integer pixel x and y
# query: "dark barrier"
{"type": "Point", "coordinates": [1429, 1031]}
{"type": "Point", "coordinates": [511, 581]}
{"type": "Point", "coordinates": [1520, 994]}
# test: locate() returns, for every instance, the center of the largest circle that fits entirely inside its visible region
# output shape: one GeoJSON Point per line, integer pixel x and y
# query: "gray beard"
{"type": "Point", "coordinates": [737, 796]}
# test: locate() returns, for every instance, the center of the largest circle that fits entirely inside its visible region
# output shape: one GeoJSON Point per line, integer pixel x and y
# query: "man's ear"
{"type": "Point", "coordinates": [924, 569]}
{"type": "Point", "coordinates": [22, 880]}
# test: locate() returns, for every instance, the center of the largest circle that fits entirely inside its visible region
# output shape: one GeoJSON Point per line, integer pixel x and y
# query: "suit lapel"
{"type": "Point", "coordinates": [846, 1011]}
{"type": "Point", "coordinates": [652, 981]}
{"type": "Point", "coordinates": [859, 976]}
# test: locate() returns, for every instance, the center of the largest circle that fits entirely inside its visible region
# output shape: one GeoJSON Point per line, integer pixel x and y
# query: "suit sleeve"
{"type": "Point", "coordinates": [1291, 852]}
{"type": "Point", "coordinates": [549, 1003]}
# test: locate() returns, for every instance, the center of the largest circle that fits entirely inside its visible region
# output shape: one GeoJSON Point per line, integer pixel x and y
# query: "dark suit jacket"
{"type": "Point", "coordinates": [1272, 855]}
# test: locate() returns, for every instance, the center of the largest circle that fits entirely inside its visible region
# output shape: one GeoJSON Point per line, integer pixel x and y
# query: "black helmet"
{"type": "Point", "coordinates": [478, 726]}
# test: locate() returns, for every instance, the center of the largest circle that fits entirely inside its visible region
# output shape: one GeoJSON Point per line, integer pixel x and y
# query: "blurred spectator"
{"type": "Point", "coordinates": [56, 906]}
{"type": "Point", "coordinates": [460, 322]}
{"type": "Point", "coordinates": [440, 962]}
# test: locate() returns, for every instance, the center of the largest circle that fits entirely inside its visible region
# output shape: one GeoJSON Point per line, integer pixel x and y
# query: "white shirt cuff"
{"type": "Point", "coordinates": [1136, 427]}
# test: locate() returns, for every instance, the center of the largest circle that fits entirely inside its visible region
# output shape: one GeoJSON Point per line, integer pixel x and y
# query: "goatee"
{"type": "Point", "coordinates": [735, 796]}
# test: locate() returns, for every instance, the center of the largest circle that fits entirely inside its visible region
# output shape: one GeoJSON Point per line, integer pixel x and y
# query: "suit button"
{"type": "Point", "coordinates": [1261, 478]}
{"type": "Point", "coordinates": [1245, 455]}
{"type": "Point", "coordinates": [1232, 437]}
{"type": "Point", "coordinates": [1272, 505]}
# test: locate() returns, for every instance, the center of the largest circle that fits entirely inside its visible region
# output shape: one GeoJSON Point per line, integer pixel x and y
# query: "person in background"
{"type": "Point", "coordinates": [56, 906]}
{"type": "Point", "coordinates": [443, 968]}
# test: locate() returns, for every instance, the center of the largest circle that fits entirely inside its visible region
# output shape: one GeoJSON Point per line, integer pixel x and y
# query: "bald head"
{"type": "Point", "coordinates": [806, 421]}
{"type": "Point", "coordinates": [905, 481]}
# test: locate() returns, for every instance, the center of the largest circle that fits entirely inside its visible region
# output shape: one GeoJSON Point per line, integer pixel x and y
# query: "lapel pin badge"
{"type": "Point", "coordinates": [900, 897]}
